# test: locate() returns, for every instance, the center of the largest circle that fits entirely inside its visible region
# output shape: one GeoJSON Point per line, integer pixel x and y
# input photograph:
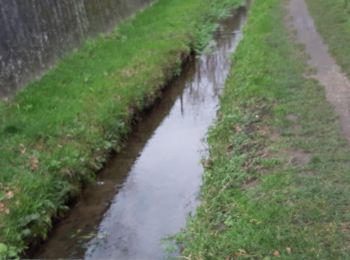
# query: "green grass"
{"type": "Point", "coordinates": [57, 132]}
{"type": "Point", "coordinates": [332, 19]}
{"type": "Point", "coordinates": [277, 182]}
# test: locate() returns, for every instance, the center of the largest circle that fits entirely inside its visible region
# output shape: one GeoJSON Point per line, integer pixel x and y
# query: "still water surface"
{"type": "Point", "coordinates": [147, 191]}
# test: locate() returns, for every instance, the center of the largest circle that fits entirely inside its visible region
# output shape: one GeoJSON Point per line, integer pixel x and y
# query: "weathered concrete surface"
{"type": "Point", "coordinates": [34, 34]}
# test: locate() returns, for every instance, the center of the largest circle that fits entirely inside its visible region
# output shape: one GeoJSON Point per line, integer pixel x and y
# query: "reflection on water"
{"type": "Point", "coordinates": [35, 33]}
{"type": "Point", "coordinates": [162, 185]}
{"type": "Point", "coordinates": [149, 188]}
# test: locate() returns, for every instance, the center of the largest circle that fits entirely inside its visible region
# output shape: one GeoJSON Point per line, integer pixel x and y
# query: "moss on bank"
{"type": "Point", "coordinates": [57, 132]}
{"type": "Point", "coordinates": [277, 183]}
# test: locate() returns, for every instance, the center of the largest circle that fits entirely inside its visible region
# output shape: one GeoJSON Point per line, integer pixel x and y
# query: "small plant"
{"type": "Point", "coordinates": [7, 252]}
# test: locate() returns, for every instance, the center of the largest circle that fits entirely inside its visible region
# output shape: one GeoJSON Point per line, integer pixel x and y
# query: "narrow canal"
{"type": "Point", "coordinates": [147, 191]}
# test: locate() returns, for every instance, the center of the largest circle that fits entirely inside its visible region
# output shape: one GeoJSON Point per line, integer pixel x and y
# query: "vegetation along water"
{"type": "Point", "coordinates": [276, 182]}
{"type": "Point", "coordinates": [57, 132]}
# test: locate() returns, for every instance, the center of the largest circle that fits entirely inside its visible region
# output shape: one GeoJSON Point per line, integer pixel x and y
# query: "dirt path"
{"type": "Point", "coordinates": [328, 73]}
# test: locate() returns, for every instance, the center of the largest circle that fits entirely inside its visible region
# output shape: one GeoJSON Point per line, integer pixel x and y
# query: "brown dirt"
{"type": "Point", "coordinates": [251, 183]}
{"type": "Point", "coordinates": [293, 118]}
{"type": "Point", "coordinates": [300, 157]}
{"type": "Point", "coordinates": [327, 72]}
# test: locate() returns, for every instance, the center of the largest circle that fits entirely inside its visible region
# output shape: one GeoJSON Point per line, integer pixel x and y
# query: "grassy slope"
{"type": "Point", "coordinates": [278, 181]}
{"type": "Point", "coordinates": [56, 133]}
{"type": "Point", "coordinates": [333, 22]}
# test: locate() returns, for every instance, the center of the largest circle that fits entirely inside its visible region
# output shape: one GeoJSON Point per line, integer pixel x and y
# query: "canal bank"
{"type": "Point", "coordinates": [146, 191]}
{"type": "Point", "coordinates": [57, 133]}
{"type": "Point", "coordinates": [277, 181]}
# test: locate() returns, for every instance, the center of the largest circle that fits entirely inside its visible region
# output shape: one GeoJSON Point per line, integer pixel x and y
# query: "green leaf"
{"type": "Point", "coordinates": [3, 249]}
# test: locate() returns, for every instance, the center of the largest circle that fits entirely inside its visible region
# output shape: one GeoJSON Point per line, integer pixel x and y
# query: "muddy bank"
{"type": "Point", "coordinates": [152, 185]}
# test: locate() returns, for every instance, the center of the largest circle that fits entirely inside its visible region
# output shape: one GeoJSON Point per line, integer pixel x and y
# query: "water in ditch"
{"type": "Point", "coordinates": [147, 191]}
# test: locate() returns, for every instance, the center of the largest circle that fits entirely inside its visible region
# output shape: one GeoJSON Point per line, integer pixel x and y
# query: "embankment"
{"type": "Point", "coordinates": [57, 133]}
{"type": "Point", "coordinates": [277, 180]}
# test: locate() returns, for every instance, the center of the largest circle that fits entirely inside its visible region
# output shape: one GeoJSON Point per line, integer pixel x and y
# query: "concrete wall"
{"type": "Point", "coordinates": [34, 34]}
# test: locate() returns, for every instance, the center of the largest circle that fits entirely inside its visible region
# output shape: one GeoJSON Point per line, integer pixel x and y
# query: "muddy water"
{"type": "Point", "coordinates": [328, 72]}
{"type": "Point", "coordinates": [148, 190]}
{"type": "Point", "coordinates": [34, 34]}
